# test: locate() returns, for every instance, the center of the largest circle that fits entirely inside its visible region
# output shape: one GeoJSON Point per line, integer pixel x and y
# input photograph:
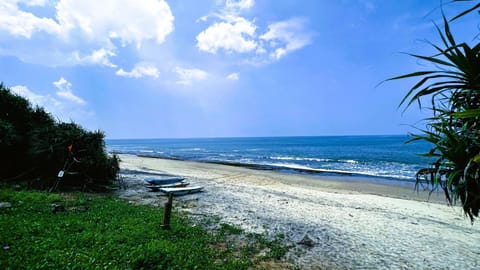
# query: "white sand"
{"type": "Point", "coordinates": [352, 228]}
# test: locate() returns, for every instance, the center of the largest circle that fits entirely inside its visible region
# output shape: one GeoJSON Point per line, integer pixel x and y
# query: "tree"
{"type": "Point", "coordinates": [35, 146]}
{"type": "Point", "coordinates": [453, 88]}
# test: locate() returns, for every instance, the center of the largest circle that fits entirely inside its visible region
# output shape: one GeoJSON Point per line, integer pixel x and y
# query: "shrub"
{"type": "Point", "coordinates": [35, 146]}
{"type": "Point", "coordinates": [453, 88]}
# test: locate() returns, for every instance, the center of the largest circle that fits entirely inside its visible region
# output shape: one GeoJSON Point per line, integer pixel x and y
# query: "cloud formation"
{"type": "Point", "coordinates": [23, 23]}
{"type": "Point", "coordinates": [188, 76]}
{"type": "Point", "coordinates": [83, 32]}
{"type": "Point", "coordinates": [239, 4]}
{"type": "Point", "coordinates": [64, 105]}
{"type": "Point", "coordinates": [285, 37]}
{"type": "Point", "coordinates": [97, 57]}
{"type": "Point", "coordinates": [65, 91]}
{"type": "Point", "coordinates": [129, 21]}
{"type": "Point", "coordinates": [36, 100]}
{"type": "Point", "coordinates": [140, 70]}
{"type": "Point", "coordinates": [233, 76]}
{"type": "Point", "coordinates": [233, 33]}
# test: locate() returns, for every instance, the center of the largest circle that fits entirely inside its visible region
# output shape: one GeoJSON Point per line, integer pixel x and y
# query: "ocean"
{"type": "Point", "coordinates": [377, 158]}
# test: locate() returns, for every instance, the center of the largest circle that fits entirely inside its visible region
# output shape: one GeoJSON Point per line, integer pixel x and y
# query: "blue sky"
{"type": "Point", "coordinates": [210, 68]}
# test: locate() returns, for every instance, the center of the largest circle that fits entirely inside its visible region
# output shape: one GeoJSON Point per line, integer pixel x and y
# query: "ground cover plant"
{"type": "Point", "coordinates": [39, 230]}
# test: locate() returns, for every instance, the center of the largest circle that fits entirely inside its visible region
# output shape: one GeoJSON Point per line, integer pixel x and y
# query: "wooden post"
{"type": "Point", "coordinates": [167, 213]}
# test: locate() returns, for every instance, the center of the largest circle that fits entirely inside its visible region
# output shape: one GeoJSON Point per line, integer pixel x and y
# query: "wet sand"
{"type": "Point", "coordinates": [351, 224]}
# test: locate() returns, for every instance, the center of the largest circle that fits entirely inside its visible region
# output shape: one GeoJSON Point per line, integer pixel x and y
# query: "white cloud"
{"type": "Point", "coordinates": [64, 110]}
{"type": "Point", "coordinates": [140, 70]}
{"type": "Point", "coordinates": [234, 35]}
{"type": "Point", "coordinates": [35, 99]}
{"type": "Point", "coordinates": [32, 3]}
{"type": "Point", "coordinates": [202, 19]}
{"type": "Point", "coordinates": [100, 57]}
{"type": "Point", "coordinates": [23, 24]}
{"type": "Point", "coordinates": [233, 76]}
{"type": "Point", "coordinates": [82, 32]}
{"type": "Point", "coordinates": [286, 36]}
{"type": "Point", "coordinates": [65, 91]}
{"type": "Point", "coordinates": [187, 76]}
{"type": "Point", "coordinates": [239, 4]}
{"type": "Point", "coordinates": [130, 21]}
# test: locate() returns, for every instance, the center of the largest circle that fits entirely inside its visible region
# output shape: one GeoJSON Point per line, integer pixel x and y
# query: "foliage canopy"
{"type": "Point", "coordinates": [453, 88]}
{"type": "Point", "coordinates": [34, 146]}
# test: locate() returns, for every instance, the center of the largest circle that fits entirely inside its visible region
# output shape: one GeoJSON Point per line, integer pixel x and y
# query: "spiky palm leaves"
{"type": "Point", "coordinates": [453, 88]}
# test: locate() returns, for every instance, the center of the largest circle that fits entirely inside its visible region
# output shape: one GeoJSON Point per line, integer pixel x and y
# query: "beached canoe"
{"type": "Point", "coordinates": [178, 191]}
{"type": "Point", "coordinates": [158, 187]}
{"type": "Point", "coordinates": [164, 181]}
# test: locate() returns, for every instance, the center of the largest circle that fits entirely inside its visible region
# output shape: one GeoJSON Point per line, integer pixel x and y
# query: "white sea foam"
{"type": "Point", "coordinates": [359, 171]}
{"type": "Point", "coordinates": [300, 167]}
{"type": "Point", "coordinates": [292, 166]}
{"type": "Point", "coordinates": [313, 159]}
{"type": "Point", "coordinates": [191, 149]}
{"type": "Point", "coordinates": [302, 159]}
{"type": "Point", "coordinates": [226, 155]}
{"type": "Point", "coordinates": [349, 161]}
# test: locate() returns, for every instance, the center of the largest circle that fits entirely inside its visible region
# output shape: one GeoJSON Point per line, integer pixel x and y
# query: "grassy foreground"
{"type": "Point", "coordinates": [104, 232]}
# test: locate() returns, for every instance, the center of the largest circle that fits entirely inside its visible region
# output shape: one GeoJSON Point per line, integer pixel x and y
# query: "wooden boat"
{"type": "Point", "coordinates": [178, 191]}
{"type": "Point", "coordinates": [164, 181]}
{"type": "Point", "coordinates": [158, 187]}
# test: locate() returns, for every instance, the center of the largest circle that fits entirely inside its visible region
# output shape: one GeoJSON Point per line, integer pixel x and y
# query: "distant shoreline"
{"type": "Point", "coordinates": [346, 182]}
{"type": "Point", "coordinates": [378, 159]}
{"type": "Point", "coordinates": [314, 173]}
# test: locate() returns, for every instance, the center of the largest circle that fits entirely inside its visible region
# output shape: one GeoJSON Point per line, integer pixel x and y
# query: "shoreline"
{"type": "Point", "coordinates": [333, 172]}
{"type": "Point", "coordinates": [351, 225]}
{"type": "Point", "coordinates": [286, 169]}
{"type": "Point", "coordinates": [346, 182]}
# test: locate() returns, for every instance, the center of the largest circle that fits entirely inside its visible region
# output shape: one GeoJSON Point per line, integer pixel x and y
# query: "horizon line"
{"type": "Point", "coordinates": [247, 137]}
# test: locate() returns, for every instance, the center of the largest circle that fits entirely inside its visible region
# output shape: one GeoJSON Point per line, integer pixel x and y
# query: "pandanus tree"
{"type": "Point", "coordinates": [34, 147]}
{"type": "Point", "coordinates": [452, 89]}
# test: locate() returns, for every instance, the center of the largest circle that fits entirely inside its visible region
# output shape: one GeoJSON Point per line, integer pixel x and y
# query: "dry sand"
{"type": "Point", "coordinates": [353, 225]}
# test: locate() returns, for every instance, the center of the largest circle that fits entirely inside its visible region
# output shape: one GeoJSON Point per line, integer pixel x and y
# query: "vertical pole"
{"type": "Point", "coordinates": [167, 212]}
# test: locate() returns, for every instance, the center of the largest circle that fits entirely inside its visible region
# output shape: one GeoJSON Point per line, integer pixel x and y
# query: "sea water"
{"type": "Point", "coordinates": [372, 157]}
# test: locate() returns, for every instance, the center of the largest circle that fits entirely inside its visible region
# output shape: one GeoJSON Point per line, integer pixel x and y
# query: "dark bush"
{"type": "Point", "coordinates": [35, 146]}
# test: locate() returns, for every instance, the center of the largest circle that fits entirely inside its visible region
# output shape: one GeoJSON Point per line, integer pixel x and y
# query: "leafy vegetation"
{"type": "Point", "coordinates": [33, 146]}
{"type": "Point", "coordinates": [453, 88]}
{"type": "Point", "coordinates": [94, 231]}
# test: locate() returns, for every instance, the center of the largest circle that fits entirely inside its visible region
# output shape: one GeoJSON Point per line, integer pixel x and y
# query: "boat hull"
{"type": "Point", "coordinates": [164, 181]}
{"type": "Point", "coordinates": [179, 191]}
{"type": "Point", "coordinates": [158, 187]}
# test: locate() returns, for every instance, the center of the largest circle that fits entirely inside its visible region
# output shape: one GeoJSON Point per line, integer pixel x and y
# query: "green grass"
{"type": "Point", "coordinates": [103, 232]}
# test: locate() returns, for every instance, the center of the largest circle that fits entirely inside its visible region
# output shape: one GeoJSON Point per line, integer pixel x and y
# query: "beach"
{"type": "Point", "coordinates": [331, 224]}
